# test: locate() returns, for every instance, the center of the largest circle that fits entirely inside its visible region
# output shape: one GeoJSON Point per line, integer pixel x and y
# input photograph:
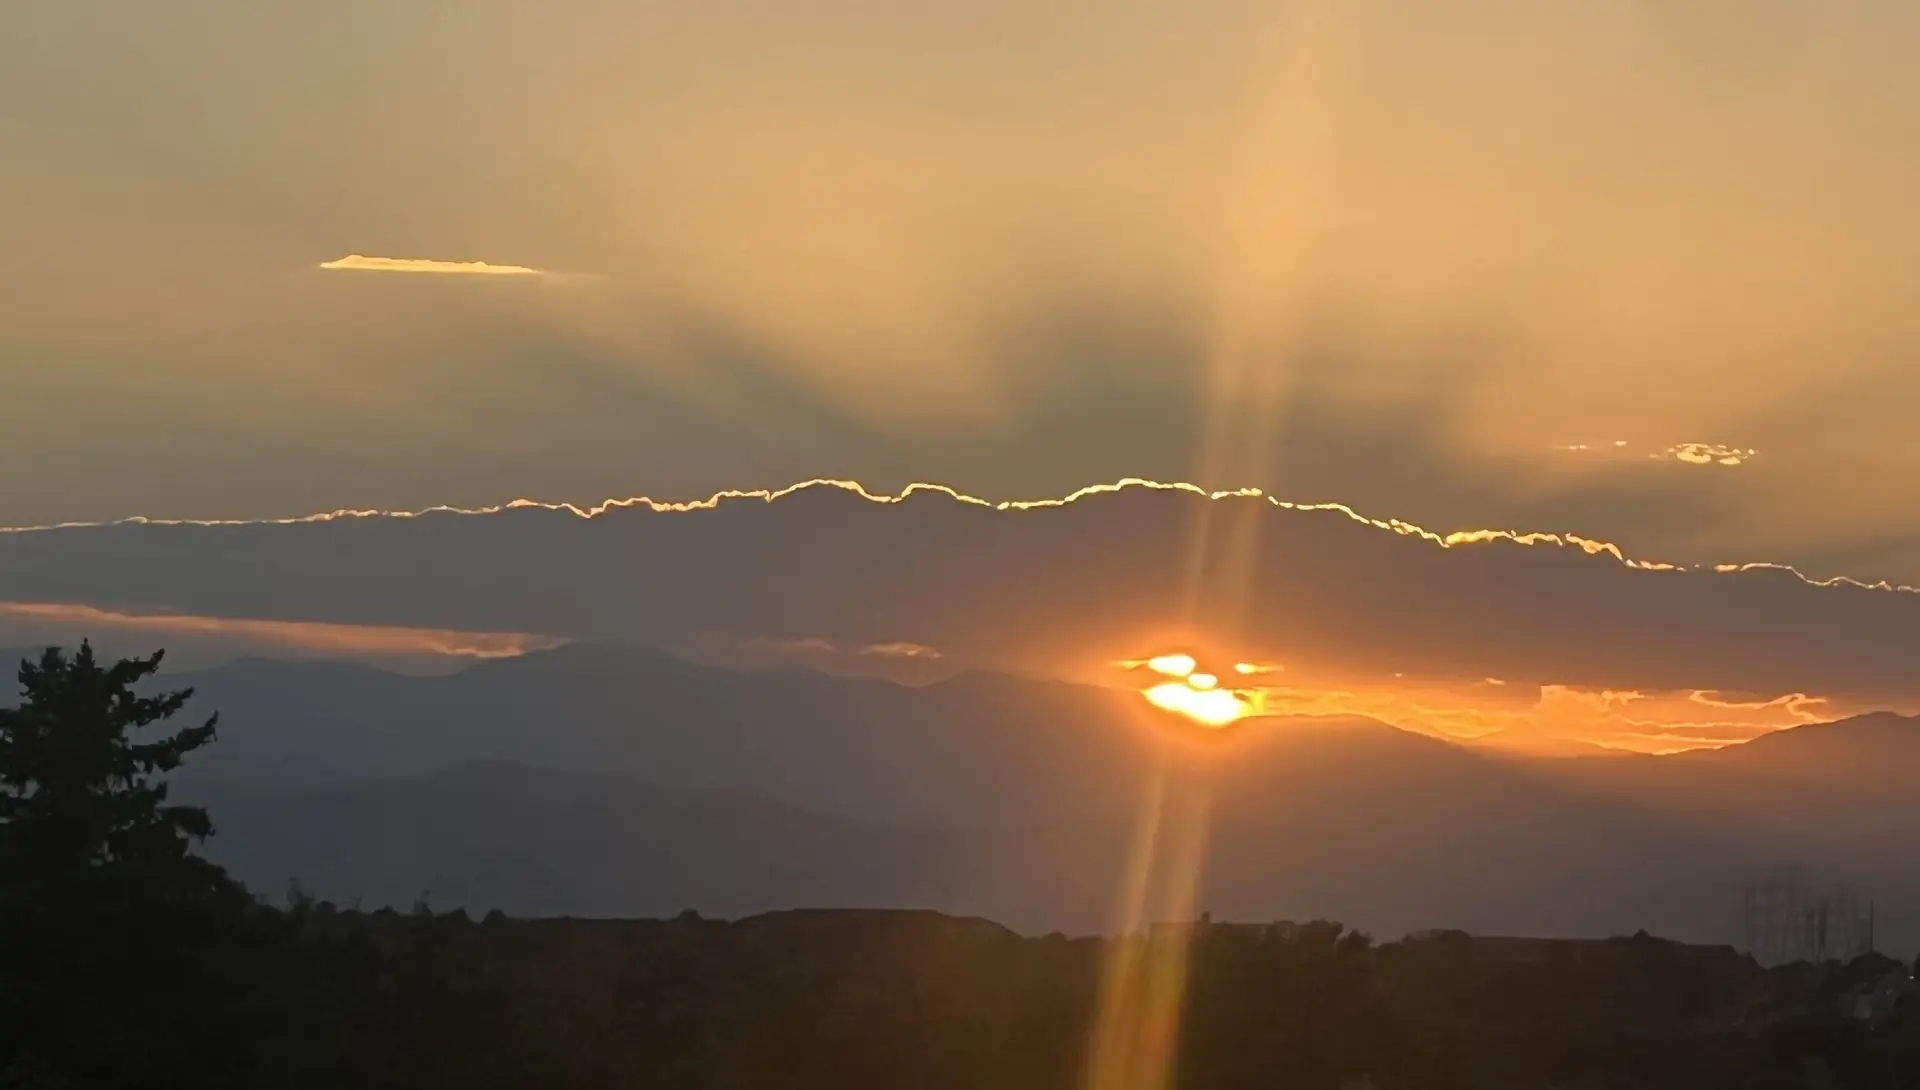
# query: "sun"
{"type": "Point", "coordinates": [1194, 693]}
{"type": "Point", "coordinates": [1210, 707]}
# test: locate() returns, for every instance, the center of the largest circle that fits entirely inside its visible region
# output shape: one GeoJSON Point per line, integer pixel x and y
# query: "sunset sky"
{"type": "Point", "coordinates": [1472, 262]}
{"type": "Point", "coordinates": [1637, 271]}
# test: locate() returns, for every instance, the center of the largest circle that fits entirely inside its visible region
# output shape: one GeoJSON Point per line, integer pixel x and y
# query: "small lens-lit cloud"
{"type": "Point", "coordinates": [429, 266]}
{"type": "Point", "coordinates": [1706, 454]}
{"type": "Point", "coordinates": [1699, 454]}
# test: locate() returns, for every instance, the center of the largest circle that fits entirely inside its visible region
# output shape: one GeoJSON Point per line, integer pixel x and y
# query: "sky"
{"type": "Point", "coordinates": [1468, 263]}
{"type": "Point", "coordinates": [1635, 271]}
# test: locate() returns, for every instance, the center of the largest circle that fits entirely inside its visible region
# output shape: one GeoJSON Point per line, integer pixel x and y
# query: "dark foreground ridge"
{"type": "Point", "coordinates": [849, 999]}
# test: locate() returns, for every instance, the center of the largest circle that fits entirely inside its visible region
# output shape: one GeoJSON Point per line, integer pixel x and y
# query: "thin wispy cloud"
{"type": "Point", "coordinates": [427, 266]}
{"type": "Point", "coordinates": [898, 649]}
{"type": "Point", "coordinates": [313, 636]}
{"type": "Point", "coordinates": [1707, 454]}
{"type": "Point", "coordinates": [1699, 454]}
{"type": "Point", "coordinates": [901, 650]}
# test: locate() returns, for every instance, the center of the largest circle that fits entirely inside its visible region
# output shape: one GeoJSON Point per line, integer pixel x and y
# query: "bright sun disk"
{"type": "Point", "coordinates": [1213, 707]}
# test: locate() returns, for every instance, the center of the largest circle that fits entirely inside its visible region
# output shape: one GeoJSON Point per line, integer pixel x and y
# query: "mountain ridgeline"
{"type": "Point", "coordinates": [606, 780]}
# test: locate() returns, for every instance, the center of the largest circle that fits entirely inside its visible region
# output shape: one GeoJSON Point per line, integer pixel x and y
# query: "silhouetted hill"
{"type": "Point", "coordinates": [1842, 780]}
{"type": "Point", "coordinates": [1017, 799]}
{"type": "Point", "coordinates": [1881, 750]}
{"type": "Point", "coordinates": [980, 748]}
{"type": "Point", "coordinates": [616, 780]}
{"type": "Point", "coordinates": [533, 842]}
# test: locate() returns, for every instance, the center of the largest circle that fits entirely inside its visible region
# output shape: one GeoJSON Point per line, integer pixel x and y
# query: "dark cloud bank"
{"type": "Point", "coordinates": [605, 779]}
{"type": "Point", "coordinates": [1041, 589]}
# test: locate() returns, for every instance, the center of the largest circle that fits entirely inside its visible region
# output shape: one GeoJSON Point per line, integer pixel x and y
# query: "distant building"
{"type": "Point", "coordinates": [1786, 921]}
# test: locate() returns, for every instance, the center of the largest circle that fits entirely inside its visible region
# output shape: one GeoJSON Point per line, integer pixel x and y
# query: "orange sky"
{"type": "Point", "coordinates": [1483, 263]}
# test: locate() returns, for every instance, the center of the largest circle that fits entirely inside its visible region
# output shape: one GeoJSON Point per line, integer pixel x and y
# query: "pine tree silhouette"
{"type": "Point", "coordinates": [79, 802]}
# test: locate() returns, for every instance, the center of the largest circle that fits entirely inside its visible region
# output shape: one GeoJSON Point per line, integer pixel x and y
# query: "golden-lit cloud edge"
{"type": "Point", "coordinates": [424, 265]}
{"type": "Point", "coordinates": [1699, 454]}
{"type": "Point", "coordinates": [1708, 454]}
{"type": "Point", "coordinates": [1455, 539]}
{"type": "Point", "coordinates": [315, 636]}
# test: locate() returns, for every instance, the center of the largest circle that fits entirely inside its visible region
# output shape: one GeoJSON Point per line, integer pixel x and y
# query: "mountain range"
{"type": "Point", "coordinates": [602, 779]}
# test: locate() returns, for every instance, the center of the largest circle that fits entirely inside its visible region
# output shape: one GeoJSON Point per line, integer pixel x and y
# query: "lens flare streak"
{"type": "Point", "coordinates": [1135, 1039]}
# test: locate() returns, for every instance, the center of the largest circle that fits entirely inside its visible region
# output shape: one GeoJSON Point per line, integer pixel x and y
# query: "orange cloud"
{"type": "Point", "coordinates": [362, 263]}
{"type": "Point", "coordinates": [1700, 454]}
{"type": "Point", "coordinates": [1498, 712]}
{"type": "Point", "coordinates": [900, 650]}
{"type": "Point", "coordinates": [317, 636]}
{"type": "Point", "coordinates": [1707, 454]}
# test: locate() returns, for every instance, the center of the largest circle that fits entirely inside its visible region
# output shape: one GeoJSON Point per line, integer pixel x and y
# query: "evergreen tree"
{"type": "Point", "coordinates": [123, 956]}
{"type": "Point", "coordinates": [79, 802]}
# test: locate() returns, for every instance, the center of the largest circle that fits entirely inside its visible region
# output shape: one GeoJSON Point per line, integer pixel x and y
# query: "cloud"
{"type": "Point", "coordinates": [900, 650]}
{"type": "Point", "coordinates": [1706, 454]}
{"type": "Point", "coordinates": [833, 574]}
{"type": "Point", "coordinates": [360, 263]}
{"type": "Point", "coordinates": [814, 645]}
{"type": "Point", "coordinates": [320, 637]}
{"type": "Point", "coordinates": [896, 660]}
{"type": "Point", "coordinates": [1700, 454]}
{"type": "Point", "coordinates": [1536, 718]}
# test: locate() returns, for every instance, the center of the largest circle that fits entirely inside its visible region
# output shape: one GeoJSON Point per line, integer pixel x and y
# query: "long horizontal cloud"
{"type": "Point", "coordinates": [361, 263]}
{"type": "Point", "coordinates": [1112, 572]}
{"type": "Point", "coordinates": [311, 636]}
